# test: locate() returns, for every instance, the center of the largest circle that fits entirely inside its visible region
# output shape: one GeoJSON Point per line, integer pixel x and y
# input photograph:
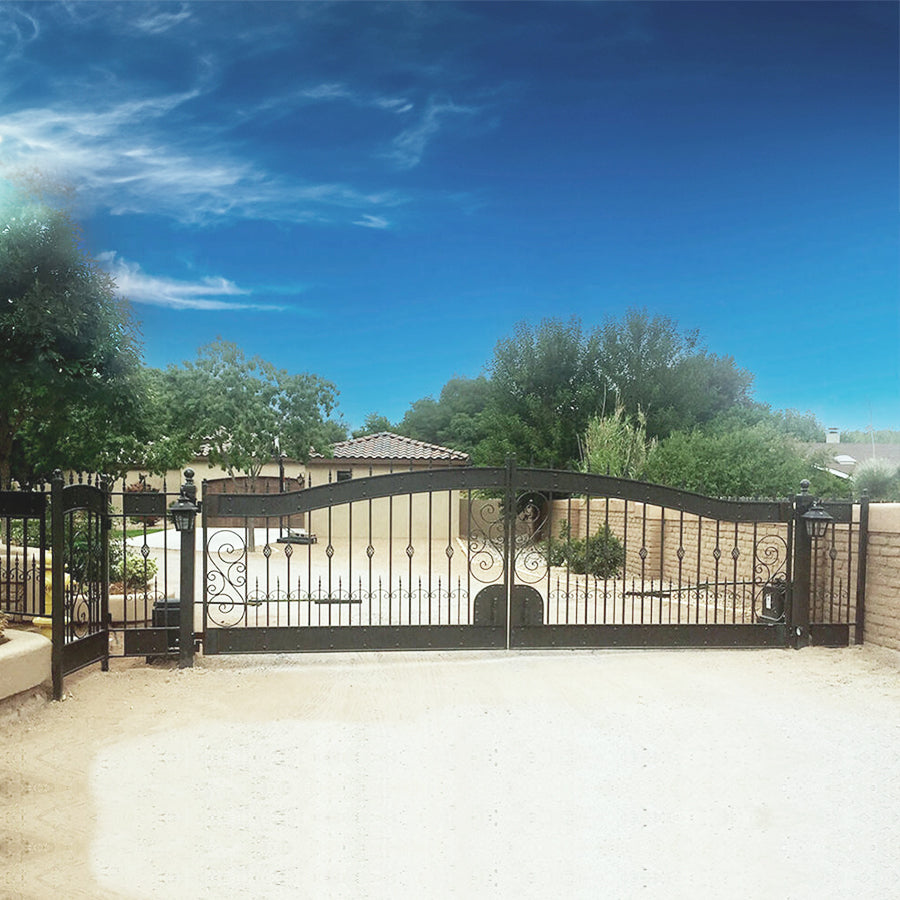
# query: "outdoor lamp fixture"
{"type": "Point", "coordinates": [817, 520]}
{"type": "Point", "coordinates": [184, 510]}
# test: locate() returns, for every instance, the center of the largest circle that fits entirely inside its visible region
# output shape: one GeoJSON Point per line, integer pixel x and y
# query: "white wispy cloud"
{"type": "Point", "coordinates": [213, 294]}
{"type": "Point", "coordinates": [373, 222]}
{"type": "Point", "coordinates": [327, 92]}
{"type": "Point", "coordinates": [161, 20]}
{"type": "Point", "coordinates": [120, 156]}
{"type": "Point", "coordinates": [409, 146]}
{"type": "Point", "coordinates": [17, 30]}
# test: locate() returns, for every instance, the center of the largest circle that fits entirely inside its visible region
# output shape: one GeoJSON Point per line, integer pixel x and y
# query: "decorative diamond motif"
{"type": "Point", "coordinates": [329, 551]}
{"type": "Point", "coordinates": [717, 554]}
{"type": "Point", "coordinates": [410, 551]}
{"type": "Point", "coordinates": [288, 550]}
{"type": "Point", "coordinates": [680, 553]}
{"type": "Point", "coordinates": [449, 551]}
{"type": "Point", "coordinates": [267, 551]}
{"type": "Point", "coordinates": [642, 553]}
{"type": "Point", "coordinates": [832, 554]}
{"type": "Point", "coordinates": [735, 554]}
{"type": "Point", "coordinates": [370, 551]}
{"type": "Point", "coordinates": [145, 551]}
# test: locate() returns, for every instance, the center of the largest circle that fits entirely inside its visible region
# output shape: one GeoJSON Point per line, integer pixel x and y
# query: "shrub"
{"type": "Point", "coordinates": [878, 478]}
{"type": "Point", "coordinates": [601, 555]}
{"type": "Point", "coordinates": [136, 571]}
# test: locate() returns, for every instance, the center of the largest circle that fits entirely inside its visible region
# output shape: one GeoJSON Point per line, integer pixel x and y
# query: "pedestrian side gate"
{"type": "Point", "coordinates": [54, 568]}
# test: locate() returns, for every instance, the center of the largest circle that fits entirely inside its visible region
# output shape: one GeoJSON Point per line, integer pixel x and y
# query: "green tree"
{"type": "Point", "coordinates": [545, 386]}
{"type": "Point", "coordinates": [742, 461]}
{"type": "Point", "coordinates": [68, 348]}
{"type": "Point", "coordinates": [457, 419]}
{"type": "Point", "coordinates": [374, 423]}
{"type": "Point", "coordinates": [169, 412]}
{"type": "Point", "coordinates": [648, 365]}
{"type": "Point", "coordinates": [246, 412]}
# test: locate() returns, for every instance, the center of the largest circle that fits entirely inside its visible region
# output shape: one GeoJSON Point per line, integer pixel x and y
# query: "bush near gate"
{"type": "Point", "coordinates": [601, 555]}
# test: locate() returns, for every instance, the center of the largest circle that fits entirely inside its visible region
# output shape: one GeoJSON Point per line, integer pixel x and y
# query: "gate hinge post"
{"type": "Point", "coordinates": [798, 621]}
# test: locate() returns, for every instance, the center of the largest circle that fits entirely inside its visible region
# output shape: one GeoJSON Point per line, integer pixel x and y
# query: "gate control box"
{"type": "Point", "coordinates": [773, 599]}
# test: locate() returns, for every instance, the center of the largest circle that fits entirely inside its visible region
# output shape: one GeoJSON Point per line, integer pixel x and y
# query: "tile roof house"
{"type": "Point", "coordinates": [844, 458]}
{"type": "Point", "coordinates": [387, 450]}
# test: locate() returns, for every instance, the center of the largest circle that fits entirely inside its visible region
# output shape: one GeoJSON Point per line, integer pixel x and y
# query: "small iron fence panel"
{"type": "Point", "coordinates": [144, 570]}
{"type": "Point", "coordinates": [837, 576]}
{"type": "Point", "coordinates": [24, 548]}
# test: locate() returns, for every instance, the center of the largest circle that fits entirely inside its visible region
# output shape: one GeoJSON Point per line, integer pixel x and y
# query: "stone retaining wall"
{"type": "Point", "coordinates": [882, 623]}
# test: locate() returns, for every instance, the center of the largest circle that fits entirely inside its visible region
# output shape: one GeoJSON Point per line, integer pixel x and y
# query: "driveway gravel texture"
{"type": "Point", "coordinates": [564, 774]}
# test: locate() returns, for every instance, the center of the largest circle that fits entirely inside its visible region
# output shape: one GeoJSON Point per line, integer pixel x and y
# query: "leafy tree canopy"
{"type": "Point", "coordinates": [374, 423]}
{"type": "Point", "coordinates": [458, 418]}
{"type": "Point", "coordinates": [545, 383]}
{"type": "Point", "coordinates": [68, 348]}
{"type": "Point", "coordinates": [649, 366]}
{"type": "Point", "coordinates": [728, 460]}
{"type": "Point", "coordinates": [242, 412]}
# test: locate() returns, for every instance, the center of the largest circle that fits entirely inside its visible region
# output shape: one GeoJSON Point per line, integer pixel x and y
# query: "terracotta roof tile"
{"type": "Point", "coordinates": [389, 446]}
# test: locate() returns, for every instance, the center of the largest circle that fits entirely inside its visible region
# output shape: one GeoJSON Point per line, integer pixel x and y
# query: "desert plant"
{"type": "Point", "coordinates": [878, 478]}
{"type": "Point", "coordinates": [617, 445]}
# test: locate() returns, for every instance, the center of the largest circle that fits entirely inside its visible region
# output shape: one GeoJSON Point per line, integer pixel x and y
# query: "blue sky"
{"type": "Point", "coordinates": [377, 193]}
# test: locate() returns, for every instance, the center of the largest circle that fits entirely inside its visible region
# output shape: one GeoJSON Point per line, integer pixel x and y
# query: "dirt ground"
{"type": "Point", "coordinates": [653, 774]}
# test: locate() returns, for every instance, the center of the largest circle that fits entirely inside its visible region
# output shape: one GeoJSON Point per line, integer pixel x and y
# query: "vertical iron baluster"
{"type": "Point", "coordinates": [370, 552]}
{"type": "Point", "coordinates": [661, 551]}
{"type": "Point", "coordinates": [409, 554]}
{"type": "Point", "coordinates": [568, 562]}
{"type": "Point", "coordinates": [390, 588]}
{"type": "Point", "coordinates": [430, 539]}
{"type": "Point", "coordinates": [735, 555]}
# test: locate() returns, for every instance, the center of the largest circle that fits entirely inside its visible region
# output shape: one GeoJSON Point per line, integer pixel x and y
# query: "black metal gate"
{"type": "Point", "coordinates": [54, 568]}
{"type": "Point", "coordinates": [517, 558]}
{"type": "Point", "coordinates": [80, 576]}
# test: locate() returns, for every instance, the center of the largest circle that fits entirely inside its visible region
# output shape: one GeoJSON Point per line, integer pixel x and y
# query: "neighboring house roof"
{"type": "Point", "coordinates": [385, 446]}
{"type": "Point", "coordinates": [845, 457]}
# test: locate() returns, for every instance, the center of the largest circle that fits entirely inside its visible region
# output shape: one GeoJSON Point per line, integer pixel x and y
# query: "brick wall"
{"type": "Point", "coordinates": [882, 622]}
{"type": "Point", "coordinates": [667, 545]}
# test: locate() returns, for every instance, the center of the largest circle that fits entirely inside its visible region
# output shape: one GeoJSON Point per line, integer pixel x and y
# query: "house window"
{"type": "Point", "coordinates": [344, 474]}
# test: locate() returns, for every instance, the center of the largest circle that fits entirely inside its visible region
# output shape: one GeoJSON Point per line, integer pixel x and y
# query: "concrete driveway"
{"type": "Point", "coordinates": [660, 774]}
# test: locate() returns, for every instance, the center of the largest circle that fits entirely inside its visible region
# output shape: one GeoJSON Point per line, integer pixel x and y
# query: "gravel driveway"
{"type": "Point", "coordinates": [622, 774]}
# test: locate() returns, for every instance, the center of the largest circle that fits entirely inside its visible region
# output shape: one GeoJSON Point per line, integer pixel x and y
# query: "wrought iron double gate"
{"type": "Point", "coordinates": [518, 558]}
